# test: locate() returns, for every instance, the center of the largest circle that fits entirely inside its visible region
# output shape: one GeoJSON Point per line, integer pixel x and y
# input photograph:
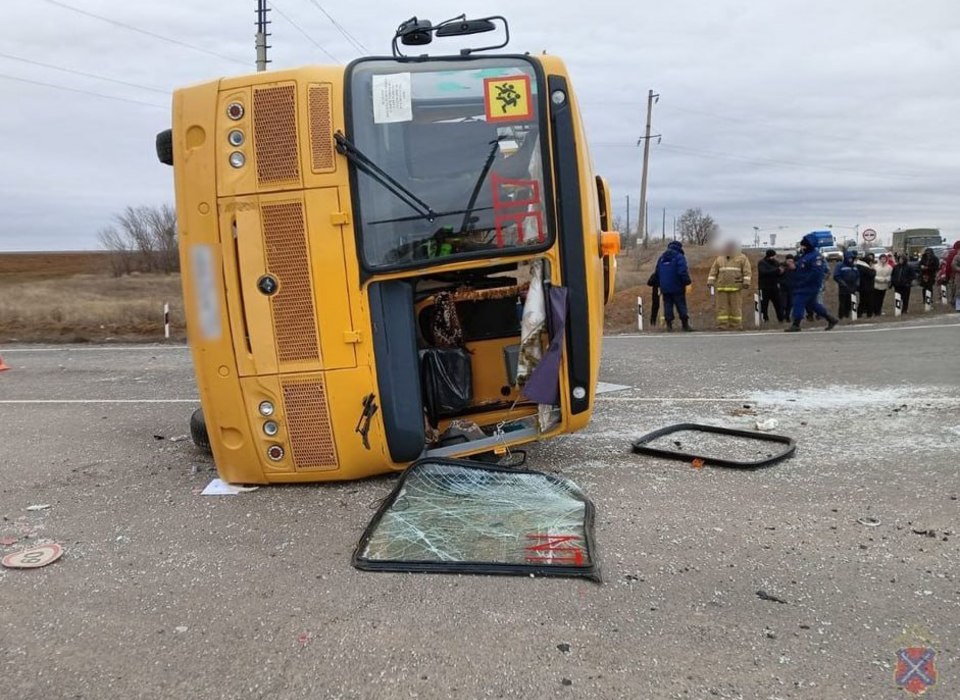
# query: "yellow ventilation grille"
{"type": "Point", "coordinates": [308, 422]}
{"type": "Point", "coordinates": [275, 135]}
{"type": "Point", "coordinates": [321, 129]}
{"type": "Point", "coordinates": [294, 320]}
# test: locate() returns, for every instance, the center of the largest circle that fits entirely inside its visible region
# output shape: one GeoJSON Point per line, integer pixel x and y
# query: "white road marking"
{"type": "Point", "coordinates": [94, 348]}
{"type": "Point", "coordinates": [71, 401]}
{"type": "Point", "coordinates": [769, 334]}
{"type": "Point", "coordinates": [755, 401]}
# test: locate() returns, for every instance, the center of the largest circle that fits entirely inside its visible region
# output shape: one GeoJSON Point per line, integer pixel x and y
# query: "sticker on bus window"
{"type": "Point", "coordinates": [392, 101]}
{"type": "Point", "coordinates": [508, 98]}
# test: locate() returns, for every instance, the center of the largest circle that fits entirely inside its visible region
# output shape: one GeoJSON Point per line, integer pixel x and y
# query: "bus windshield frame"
{"type": "Point", "coordinates": [468, 136]}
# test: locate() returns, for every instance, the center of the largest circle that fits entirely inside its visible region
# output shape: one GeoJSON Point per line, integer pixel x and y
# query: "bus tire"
{"type": "Point", "coordinates": [198, 430]}
{"type": "Point", "coordinates": [165, 146]}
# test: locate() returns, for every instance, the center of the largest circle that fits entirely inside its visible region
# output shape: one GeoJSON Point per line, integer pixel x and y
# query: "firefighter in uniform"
{"type": "Point", "coordinates": [729, 276]}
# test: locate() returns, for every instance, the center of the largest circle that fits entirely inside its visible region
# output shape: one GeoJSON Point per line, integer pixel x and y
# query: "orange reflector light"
{"type": "Point", "coordinates": [609, 243]}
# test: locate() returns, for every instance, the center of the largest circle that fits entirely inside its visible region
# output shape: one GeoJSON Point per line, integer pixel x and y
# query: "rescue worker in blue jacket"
{"type": "Point", "coordinates": [847, 278]}
{"type": "Point", "coordinates": [674, 277]}
{"type": "Point", "coordinates": [806, 284]}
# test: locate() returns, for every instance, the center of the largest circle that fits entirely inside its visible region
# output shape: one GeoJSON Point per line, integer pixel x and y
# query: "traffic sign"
{"type": "Point", "coordinates": [34, 557]}
{"type": "Point", "coordinates": [869, 235]}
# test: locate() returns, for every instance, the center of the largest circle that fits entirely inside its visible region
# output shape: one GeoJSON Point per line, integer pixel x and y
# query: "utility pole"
{"type": "Point", "coordinates": [628, 217]}
{"type": "Point", "coordinates": [651, 98]}
{"type": "Point", "coordinates": [262, 35]}
{"type": "Point", "coordinates": [663, 226]}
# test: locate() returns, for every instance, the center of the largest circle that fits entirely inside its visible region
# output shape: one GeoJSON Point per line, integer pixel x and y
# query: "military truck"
{"type": "Point", "coordinates": [913, 241]}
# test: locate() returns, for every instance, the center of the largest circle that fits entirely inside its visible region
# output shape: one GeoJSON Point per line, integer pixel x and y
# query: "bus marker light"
{"type": "Point", "coordinates": [235, 111]}
{"type": "Point", "coordinates": [271, 428]}
{"type": "Point", "coordinates": [237, 159]}
{"type": "Point", "coordinates": [265, 408]}
{"type": "Point", "coordinates": [275, 452]}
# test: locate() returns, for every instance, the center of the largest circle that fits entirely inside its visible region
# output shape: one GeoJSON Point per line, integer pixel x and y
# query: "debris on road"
{"type": "Point", "coordinates": [767, 425]}
{"type": "Point", "coordinates": [33, 557]}
{"type": "Point", "coordinates": [456, 516]}
{"type": "Point", "coordinates": [763, 595]}
{"type": "Point", "coordinates": [869, 522]}
{"type": "Point", "coordinates": [39, 506]}
{"type": "Point", "coordinates": [927, 533]}
{"type": "Point", "coordinates": [563, 647]}
{"type": "Point", "coordinates": [745, 440]}
{"type": "Point", "coordinates": [8, 541]}
{"type": "Point", "coordinates": [218, 487]}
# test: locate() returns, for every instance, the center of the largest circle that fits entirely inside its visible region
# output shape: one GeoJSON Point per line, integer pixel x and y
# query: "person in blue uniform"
{"type": "Point", "coordinates": [674, 277]}
{"type": "Point", "coordinates": [806, 285]}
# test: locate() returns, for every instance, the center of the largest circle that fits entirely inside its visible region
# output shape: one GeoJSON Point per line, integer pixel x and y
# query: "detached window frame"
{"type": "Point", "coordinates": [356, 105]}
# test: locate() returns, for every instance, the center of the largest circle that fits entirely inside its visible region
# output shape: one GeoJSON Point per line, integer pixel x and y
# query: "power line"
{"type": "Point", "coordinates": [83, 73]}
{"type": "Point", "coordinates": [766, 161]}
{"type": "Point", "coordinates": [145, 32]}
{"type": "Point", "coordinates": [357, 44]}
{"type": "Point", "coordinates": [300, 29]}
{"type": "Point", "coordinates": [82, 92]}
{"type": "Point", "coordinates": [792, 163]}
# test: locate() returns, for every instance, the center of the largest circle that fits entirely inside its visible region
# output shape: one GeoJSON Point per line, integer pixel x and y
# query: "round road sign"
{"type": "Point", "coordinates": [869, 235]}
{"type": "Point", "coordinates": [33, 557]}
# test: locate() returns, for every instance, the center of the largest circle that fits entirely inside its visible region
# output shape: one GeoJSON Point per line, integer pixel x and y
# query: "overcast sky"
{"type": "Point", "coordinates": [782, 115]}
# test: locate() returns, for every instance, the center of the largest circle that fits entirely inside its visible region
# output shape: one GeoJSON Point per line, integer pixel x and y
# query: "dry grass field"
{"type": "Point", "coordinates": [71, 297]}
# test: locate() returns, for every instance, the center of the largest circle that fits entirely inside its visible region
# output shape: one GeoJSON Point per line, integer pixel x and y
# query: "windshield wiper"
{"type": "Point", "coordinates": [439, 215]}
{"type": "Point", "coordinates": [378, 174]}
{"type": "Point", "coordinates": [484, 171]}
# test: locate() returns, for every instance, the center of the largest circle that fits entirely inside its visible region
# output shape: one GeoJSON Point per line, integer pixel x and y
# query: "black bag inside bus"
{"type": "Point", "coordinates": [447, 378]}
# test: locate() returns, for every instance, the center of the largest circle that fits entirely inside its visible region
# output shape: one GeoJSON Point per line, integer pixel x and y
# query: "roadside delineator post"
{"type": "Point", "coordinates": [897, 303]}
{"type": "Point", "coordinates": [943, 294]}
{"type": "Point", "coordinates": [756, 309]}
{"type": "Point", "coordinates": [928, 300]}
{"type": "Point", "coordinates": [640, 313]}
{"type": "Point", "coordinates": [854, 306]}
{"type": "Point", "coordinates": [166, 321]}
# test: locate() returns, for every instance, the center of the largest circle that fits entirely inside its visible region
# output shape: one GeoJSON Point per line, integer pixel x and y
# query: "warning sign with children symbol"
{"type": "Point", "coordinates": [508, 98]}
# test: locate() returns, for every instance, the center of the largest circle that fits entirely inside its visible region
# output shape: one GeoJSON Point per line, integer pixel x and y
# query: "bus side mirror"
{"type": "Point", "coordinates": [464, 27]}
{"type": "Point", "coordinates": [415, 32]}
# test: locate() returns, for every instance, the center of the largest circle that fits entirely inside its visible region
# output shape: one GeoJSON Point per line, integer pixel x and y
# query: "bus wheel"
{"type": "Point", "coordinates": [198, 430]}
{"type": "Point", "coordinates": [165, 146]}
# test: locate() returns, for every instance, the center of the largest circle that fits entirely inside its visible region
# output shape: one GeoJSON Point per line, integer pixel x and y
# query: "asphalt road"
{"type": "Point", "coordinates": [163, 593]}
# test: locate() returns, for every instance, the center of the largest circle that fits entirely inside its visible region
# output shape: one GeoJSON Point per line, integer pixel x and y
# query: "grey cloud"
{"type": "Point", "coordinates": [772, 114]}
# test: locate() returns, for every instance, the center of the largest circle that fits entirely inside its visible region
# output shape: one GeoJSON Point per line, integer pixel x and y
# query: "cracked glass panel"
{"type": "Point", "coordinates": [463, 517]}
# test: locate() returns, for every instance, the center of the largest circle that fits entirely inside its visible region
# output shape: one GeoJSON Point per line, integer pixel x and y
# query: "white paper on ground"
{"type": "Point", "coordinates": [607, 387]}
{"type": "Point", "coordinates": [392, 100]}
{"type": "Point", "coordinates": [219, 487]}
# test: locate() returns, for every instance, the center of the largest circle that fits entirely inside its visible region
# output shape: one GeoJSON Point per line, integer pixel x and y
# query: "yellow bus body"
{"type": "Point", "coordinates": [308, 349]}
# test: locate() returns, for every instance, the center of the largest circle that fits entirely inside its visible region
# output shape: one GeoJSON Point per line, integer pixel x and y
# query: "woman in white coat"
{"type": "Point", "coordinates": [881, 283]}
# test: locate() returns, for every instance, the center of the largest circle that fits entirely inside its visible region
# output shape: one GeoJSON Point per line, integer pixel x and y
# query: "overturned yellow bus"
{"type": "Point", "coordinates": [402, 257]}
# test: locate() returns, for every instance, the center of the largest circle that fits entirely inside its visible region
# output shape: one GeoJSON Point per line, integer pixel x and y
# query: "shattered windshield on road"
{"type": "Point", "coordinates": [460, 145]}
{"type": "Point", "coordinates": [450, 516]}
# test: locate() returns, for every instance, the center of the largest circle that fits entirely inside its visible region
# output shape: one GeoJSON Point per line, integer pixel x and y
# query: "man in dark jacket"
{"type": "Point", "coordinates": [865, 284]}
{"type": "Point", "coordinates": [847, 278]}
{"type": "Point", "coordinates": [787, 282]}
{"type": "Point", "coordinates": [929, 266]}
{"type": "Point", "coordinates": [901, 279]}
{"type": "Point", "coordinates": [769, 272]}
{"type": "Point", "coordinates": [674, 277]}
{"type": "Point", "coordinates": [806, 284]}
